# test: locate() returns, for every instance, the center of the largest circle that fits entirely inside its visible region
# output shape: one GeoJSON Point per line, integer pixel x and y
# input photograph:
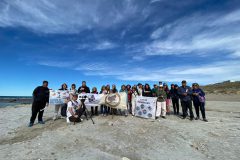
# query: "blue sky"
{"type": "Point", "coordinates": [120, 42]}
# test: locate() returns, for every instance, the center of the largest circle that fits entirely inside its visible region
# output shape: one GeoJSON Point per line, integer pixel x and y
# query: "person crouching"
{"type": "Point", "coordinates": [74, 110]}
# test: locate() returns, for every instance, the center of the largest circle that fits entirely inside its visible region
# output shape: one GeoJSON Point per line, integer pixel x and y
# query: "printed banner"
{"type": "Point", "coordinates": [91, 99]}
{"type": "Point", "coordinates": [58, 97]}
{"type": "Point", "coordinates": [146, 107]}
{"type": "Point", "coordinates": [116, 100]}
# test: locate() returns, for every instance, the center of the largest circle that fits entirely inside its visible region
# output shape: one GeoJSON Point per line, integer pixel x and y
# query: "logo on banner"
{"type": "Point", "coordinates": [113, 100]}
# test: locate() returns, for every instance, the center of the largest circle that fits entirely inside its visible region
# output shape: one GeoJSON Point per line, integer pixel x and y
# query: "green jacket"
{"type": "Point", "coordinates": [161, 94]}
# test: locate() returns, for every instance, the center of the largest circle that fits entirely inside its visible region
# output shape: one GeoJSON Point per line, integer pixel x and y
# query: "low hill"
{"type": "Point", "coordinates": [226, 87]}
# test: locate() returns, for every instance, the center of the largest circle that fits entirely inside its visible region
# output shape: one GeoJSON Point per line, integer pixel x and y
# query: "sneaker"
{"type": "Point", "coordinates": [41, 122]}
{"type": "Point", "coordinates": [197, 118]}
{"type": "Point", "coordinates": [205, 120]}
{"type": "Point", "coordinates": [163, 117]}
{"type": "Point", "coordinates": [183, 117]}
{"type": "Point", "coordinates": [30, 124]}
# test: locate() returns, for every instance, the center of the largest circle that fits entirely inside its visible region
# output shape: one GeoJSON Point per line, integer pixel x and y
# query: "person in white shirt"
{"type": "Point", "coordinates": [134, 96]}
{"type": "Point", "coordinates": [74, 110]}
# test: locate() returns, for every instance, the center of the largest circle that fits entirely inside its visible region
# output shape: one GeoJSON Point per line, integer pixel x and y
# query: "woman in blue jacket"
{"type": "Point", "coordinates": [199, 101]}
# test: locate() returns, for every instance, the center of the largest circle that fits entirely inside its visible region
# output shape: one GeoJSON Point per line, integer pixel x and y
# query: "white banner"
{"type": "Point", "coordinates": [116, 100]}
{"type": "Point", "coordinates": [146, 107]}
{"type": "Point", "coordinates": [58, 97]}
{"type": "Point", "coordinates": [91, 99]}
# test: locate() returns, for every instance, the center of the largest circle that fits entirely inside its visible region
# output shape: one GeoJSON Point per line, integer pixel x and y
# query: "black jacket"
{"type": "Point", "coordinates": [174, 94]}
{"type": "Point", "coordinates": [41, 94]}
{"type": "Point", "coordinates": [86, 89]}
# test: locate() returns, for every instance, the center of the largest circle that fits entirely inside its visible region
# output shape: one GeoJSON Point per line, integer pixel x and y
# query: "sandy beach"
{"type": "Point", "coordinates": [123, 137]}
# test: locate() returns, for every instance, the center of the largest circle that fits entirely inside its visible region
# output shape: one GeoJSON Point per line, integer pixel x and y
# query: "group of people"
{"type": "Point", "coordinates": [184, 94]}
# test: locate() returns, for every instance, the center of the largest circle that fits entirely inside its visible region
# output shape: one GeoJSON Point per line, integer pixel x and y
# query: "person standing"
{"type": "Point", "coordinates": [114, 90]}
{"type": "Point", "coordinates": [147, 92]}
{"type": "Point", "coordinates": [61, 107]}
{"type": "Point", "coordinates": [155, 87]}
{"type": "Point", "coordinates": [134, 96]}
{"type": "Point", "coordinates": [84, 88]}
{"type": "Point", "coordinates": [185, 93]}
{"type": "Point", "coordinates": [108, 89]}
{"type": "Point", "coordinates": [161, 102]}
{"type": "Point", "coordinates": [124, 90]}
{"type": "Point", "coordinates": [94, 111]}
{"type": "Point", "coordinates": [175, 98]}
{"type": "Point", "coordinates": [40, 100]}
{"type": "Point", "coordinates": [140, 89]}
{"type": "Point", "coordinates": [199, 101]}
{"type": "Point", "coordinates": [103, 107]}
{"type": "Point", "coordinates": [129, 97]}
{"type": "Point", "coordinates": [168, 99]}
{"type": "Point", "coordinates": [73, 90]}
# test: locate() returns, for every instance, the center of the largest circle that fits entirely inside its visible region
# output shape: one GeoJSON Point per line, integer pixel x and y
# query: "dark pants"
{"type": "Point", "coordinates": [200, 105]}
{"type": "Point", "coordinates": [103, 109]}
{"type": "Point", "coordinates": [96, 110]}
{"type": "Point", "coordinates": [129, 105]}
{"type": "Point", "coordinates": [36, 107]}
{"type": "Point", "coordinates": [79, 113]}
{"type": "Point", "coordinates": [187, 105]}
{"type": "Point", "coordinates": [175, 103]}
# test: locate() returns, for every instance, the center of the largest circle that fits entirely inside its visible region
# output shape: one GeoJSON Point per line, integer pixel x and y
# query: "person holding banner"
{"type": "Point", "coordinates": [134, 96]}
{"type": "Point", "coordinates": [94, 91]}
{"type": "Point", "coordinates": [129, 95]}
{"type": "Point", "coordinates": [175, 98]}
{"type": "Point", "coordinates": [40, 100]}
{"type": "Point", "coordinates": [73, 90]}
{"type": "Point", "coordinates": [84, 88]}
{"type": "Point", "coordinates": [74, 110]}
{"type": "Point", "coordinates": [147, 92]}
{"type": "Point", "coordinates": [161, 102]}
{"type": "Point", "coordinates": [63, 106]}
{"type": "Point", "coordinates": [140, 89]}
{"type": "Point", "coordinates": [103, 107]}
{"type": "Point", "coordinates": [168, 99]}
{"type": "Point", "coordinates": [124, 90]}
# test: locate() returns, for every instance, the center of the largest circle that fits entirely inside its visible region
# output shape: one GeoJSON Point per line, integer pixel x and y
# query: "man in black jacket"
{"type": "Point", "coordinates": [83, 88]}
{"type": "Point", "coordinates": [40, 100]}
{"type": "Point", "coordinates": [175, 98]}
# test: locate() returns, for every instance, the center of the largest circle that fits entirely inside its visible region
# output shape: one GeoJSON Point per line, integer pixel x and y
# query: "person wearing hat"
{"type": "Point", "coordinates": [199, 101]}
{"type": "Point", "coordinates": [175, 98]}
{"type": "Point", "coordinates": [74, 110]}
{"type": "Point", "coordinates": [185, 93]}
{"type": "Point", "coordinates": [161, 102]}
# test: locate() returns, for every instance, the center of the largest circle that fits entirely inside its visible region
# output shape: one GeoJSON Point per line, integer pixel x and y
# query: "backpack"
{"type": "Point", "coordinates": [64, 110]}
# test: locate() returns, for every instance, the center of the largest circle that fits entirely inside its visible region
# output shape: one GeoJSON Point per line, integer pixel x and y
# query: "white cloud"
{"type": "Point", "coordinates": [103, 45]}
{"type": "Point", "coordinates": [60, 64]}
{"type": "Point", "coordinates": [197, 33]}
{"type": "Point", "coordinates": [45, 16]}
